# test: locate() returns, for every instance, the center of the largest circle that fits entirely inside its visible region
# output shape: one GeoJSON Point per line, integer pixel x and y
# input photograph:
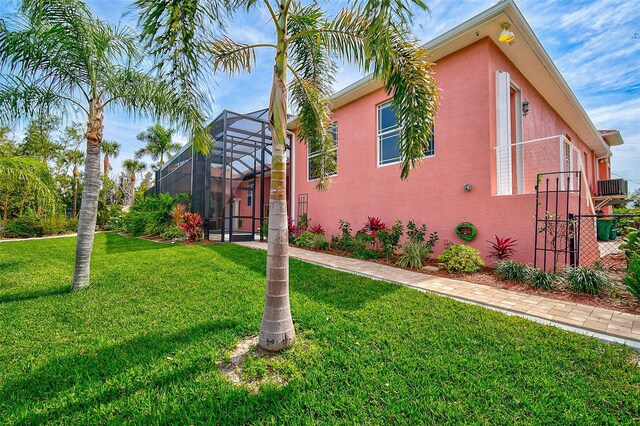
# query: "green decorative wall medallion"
{"type": "Point", "coordinates": [466, 231]}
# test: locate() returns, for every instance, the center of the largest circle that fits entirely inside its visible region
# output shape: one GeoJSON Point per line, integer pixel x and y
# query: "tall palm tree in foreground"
{"type": "Point", "coordinates": [373, 34]}
{"type": "Point", "coordinates": [110, 149]}
{"type": "Point", "coordinates": [132, 167]}
{"type": "Point", "coordinates": [158, 143]}
{"type": "Point", "coordinates": [60, 57]}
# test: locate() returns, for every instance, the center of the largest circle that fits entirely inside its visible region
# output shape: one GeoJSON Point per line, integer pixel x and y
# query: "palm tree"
{"type": "Point", "coordinates": [373, 34]}
{"type": "Point", "coordinates": [132, 167]}
{"type": "Point", "coordinates": [158, 143]}
{"type": "Point", "coordinates": [61, 57]}
{"type": "Point", "coordinates": [110, 149]}
{"type": "Point", "coordinates": [75, 157]}
{"type": "Point", "coordinates": [34, 174]}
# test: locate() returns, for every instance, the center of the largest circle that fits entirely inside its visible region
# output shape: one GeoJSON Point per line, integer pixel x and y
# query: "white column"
{"type": "Point", "coordinates": [503, 135]}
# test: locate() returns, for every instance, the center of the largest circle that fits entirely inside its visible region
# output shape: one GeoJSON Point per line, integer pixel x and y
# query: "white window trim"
{"type": "Point", "coordinates": [310, 155]}
{"type": "Point", "coordinates": [387, 132]}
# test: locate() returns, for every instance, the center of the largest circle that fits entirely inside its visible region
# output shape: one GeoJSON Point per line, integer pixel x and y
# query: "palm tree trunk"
{"type": "Point", "coordinates": [106, 165]}
{"type": "Point", "coordinates": [75, 191]}
{"type": "Point", "coordinates": [277, 331]}
{"type": "Point", "coordinates": [89, 202]}
{"type": "Point", "coordinates": [24, 199]}
{"type": "Point", "coordinates": [133, 188]}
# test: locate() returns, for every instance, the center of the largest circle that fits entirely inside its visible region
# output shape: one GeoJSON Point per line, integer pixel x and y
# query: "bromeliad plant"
{"type": "Point", "coordinates": [502, 248]}
{"type": "Point", "coordinates": [193, 225]}
{"type": "Point", "coordinates": [317, 229]}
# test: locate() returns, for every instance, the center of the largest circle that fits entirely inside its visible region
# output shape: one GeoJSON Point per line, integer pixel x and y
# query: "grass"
{"type": "Point", "coordinates": [140, 347]}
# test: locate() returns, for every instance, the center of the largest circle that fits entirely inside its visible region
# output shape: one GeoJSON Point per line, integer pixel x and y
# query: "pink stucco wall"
{"type": "Point", "coordinates": [434, 193]}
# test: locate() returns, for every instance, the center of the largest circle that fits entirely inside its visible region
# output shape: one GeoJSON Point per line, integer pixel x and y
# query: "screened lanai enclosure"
{"type": "Point", "coordinates": [229, 187]}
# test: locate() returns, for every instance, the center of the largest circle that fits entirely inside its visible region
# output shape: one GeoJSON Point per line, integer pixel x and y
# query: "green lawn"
{"type": "Point", "coordinates": [140, 346]}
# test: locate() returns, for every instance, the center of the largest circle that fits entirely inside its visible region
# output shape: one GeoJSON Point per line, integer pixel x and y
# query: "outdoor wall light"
{"type": "Point", "coordinates": [506, 35]}
{"type": "Point", "coordinates": [467, 187]}
{"type": "Point", "coordinates": [525, 108]}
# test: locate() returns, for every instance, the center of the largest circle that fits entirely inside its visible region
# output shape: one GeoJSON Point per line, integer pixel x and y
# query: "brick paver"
{"type": "Point", "coordinates": [601, 322]}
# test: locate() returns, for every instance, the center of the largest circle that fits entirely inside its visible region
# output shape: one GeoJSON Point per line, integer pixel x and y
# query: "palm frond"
{"type": "Point", "coordinates": [16, 169]}
{"type": "Point", "coordinates": [20, 99]}
{"type": "Point", "coordinates": [232, 57]}
{"type": "Point", "coordinates": [145, 95]}
{"type": "Point", "coordinates": [313, 69]}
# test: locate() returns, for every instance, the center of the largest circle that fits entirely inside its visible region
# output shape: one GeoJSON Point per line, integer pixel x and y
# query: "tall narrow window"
{"type": "Point", "coordinates": [388, 131]}
{"type": "Point", "coordinates": [315, 164]}
{"type": "Point", "coordinates": [250, 188]}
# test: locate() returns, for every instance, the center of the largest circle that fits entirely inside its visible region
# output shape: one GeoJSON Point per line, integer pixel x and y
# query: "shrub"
{"type": "Point", "coordinates": [390, 238]}
{"type": "Point", "coordinates": [27, 226]}
{"type": "Point", "coordinates": [312, 240]}
{"type": "Point", "coordinates": [540, 279]}
{"type": "Point", "coordinates": [414, 254]}
{"type": "Point", "coordinates": [177, 213]}
{"type": "Point", "coordinates": [510, 270]}
{"type": "Point", "coordinates": [461, 258]}
{"type": "Point", "coordinates": [264, 228]}
{"type": "Point", "coordinates": [502, 248]}
{"type": "Point", "coordinates": [150, 215]}
{"type": "Point", "coordinates": [416, 233]}
{"type": "Point", "coordinates": [173, 233]}
{"type": "Point", "coordinates": [344, 240]}
{"type": "Point", "coordinates": [632, 280]}
{"type": "Point", "coordinates": [317, 229]}
{"type": "Point", "coordinates": [366, 253]}
{"type": "Point", "coordinates": [586, 280]}
{"type": "Point", "coordinates": [631, 243]}
{"type": "Point", "coordinates": [193, 225]}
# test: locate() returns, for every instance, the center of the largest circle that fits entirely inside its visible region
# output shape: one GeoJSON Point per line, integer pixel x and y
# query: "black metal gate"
{"type": "Point", "coordinates": [558, 209]}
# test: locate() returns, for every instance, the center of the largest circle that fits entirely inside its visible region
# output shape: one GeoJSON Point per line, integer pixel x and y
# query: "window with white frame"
{"type": "Point", "coordinates": [250, 188]}
{"type": "Point", "coordinates": [315, 165]}
{"type": "Point", "coordinates": [388, 132]}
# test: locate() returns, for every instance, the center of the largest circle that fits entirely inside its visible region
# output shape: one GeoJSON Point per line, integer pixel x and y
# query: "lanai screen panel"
{"type": "Point", "coordinates": [175, 177]}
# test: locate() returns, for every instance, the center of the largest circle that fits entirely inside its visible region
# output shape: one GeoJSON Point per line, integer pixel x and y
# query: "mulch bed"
{"type": "Point", "coordinates": [614, 265]}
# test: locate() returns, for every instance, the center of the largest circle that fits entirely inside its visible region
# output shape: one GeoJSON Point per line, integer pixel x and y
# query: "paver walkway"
{"type": "Point", "coordinates": [602, 323]}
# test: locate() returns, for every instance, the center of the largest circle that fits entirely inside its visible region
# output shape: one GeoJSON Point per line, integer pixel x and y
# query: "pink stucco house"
{"type": "Point", "coordinates": [506, 114]}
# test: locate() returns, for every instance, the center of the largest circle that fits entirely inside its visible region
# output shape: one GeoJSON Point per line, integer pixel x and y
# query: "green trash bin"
{"type": "Point", "coordinates": [604, 229]}
{"type": "Point", "coordinates": [613, 233]}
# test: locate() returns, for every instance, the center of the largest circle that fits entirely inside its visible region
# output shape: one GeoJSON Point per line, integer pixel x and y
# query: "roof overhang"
{"type": "Point", "coordinates": [612, 137]}
{"type": "Point", "coordinates": [527, 54]}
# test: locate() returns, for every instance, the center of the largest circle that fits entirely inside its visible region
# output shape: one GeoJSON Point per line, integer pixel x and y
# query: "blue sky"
{"type": "Point", "coordinates": [594, 43]}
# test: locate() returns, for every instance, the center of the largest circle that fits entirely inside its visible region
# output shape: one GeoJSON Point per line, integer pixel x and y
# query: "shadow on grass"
{"type": "Point", "coordinates": [82, 378]}
{"type": "Point", "coordinates": [32, 295]}
{"type": "Point", "coordinates": [115, 244]}
{"type": "Point", "coordinates": [323, 285]}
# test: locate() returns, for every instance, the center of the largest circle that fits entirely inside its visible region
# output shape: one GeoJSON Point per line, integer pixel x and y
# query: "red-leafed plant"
{"type": "Point", "coordinates": [193, 225]}
{"type": "Point", "coordinates": [294, 230]}
{"type": "Point", "coordinates": [317, 229]}
{"type": "Point", "coordinates": [502, 248]}
{"type": "Point", "coordinates": [374, 224]}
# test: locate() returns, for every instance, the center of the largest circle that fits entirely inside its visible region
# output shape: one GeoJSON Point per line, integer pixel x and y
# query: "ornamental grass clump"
{"type": "Point", "coordinates": [311, 240]}
{"type": "Point", "coordinates": [462, 259]}
{"type": "Point", "coordinates": [540, 279]}
{"type": "Point", "coordinates": [511, 270]}
{"type": "Point", "coordinates": [587, 280]}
